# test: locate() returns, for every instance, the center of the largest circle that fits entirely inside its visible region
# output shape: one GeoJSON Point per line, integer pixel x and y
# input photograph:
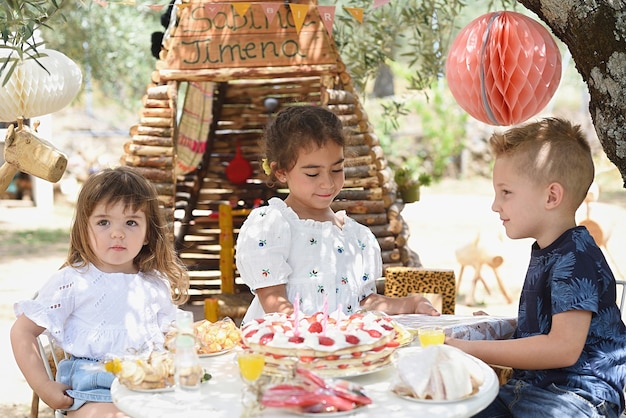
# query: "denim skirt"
{"type": "Point", "coordinates": [88, 380]}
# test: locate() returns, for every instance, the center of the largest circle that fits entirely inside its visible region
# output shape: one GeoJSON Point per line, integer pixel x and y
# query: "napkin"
{"type": "Point", "coordinates": [439, 373]}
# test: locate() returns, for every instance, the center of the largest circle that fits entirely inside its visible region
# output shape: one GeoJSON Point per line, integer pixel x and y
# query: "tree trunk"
{"type": "Point", "coordinates": [595, 33]}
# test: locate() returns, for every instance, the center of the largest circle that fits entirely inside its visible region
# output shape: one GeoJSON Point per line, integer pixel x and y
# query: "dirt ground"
{"type": "Point", "coordinates": [449, 216]}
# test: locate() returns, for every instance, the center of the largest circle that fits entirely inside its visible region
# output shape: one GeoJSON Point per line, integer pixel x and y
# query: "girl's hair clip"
{"type": "Point", "coordinates": [266, 166]}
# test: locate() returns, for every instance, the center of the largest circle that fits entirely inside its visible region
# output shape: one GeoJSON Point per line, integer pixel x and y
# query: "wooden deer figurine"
{"type": "Point", "coordinates": [476, 254]}
{"type": "Point", "coordinates": [24, 151]}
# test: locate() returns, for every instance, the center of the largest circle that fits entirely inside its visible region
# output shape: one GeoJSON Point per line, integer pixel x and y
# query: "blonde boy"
{"type": "Point", "coordinates": [569, 349]}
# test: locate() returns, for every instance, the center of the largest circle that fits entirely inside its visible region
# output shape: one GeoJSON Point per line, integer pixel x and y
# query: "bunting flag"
{"type": "Point", "coordinates": [241, 8]}
{"type": "Point", "coordinates": [355, 12]}
{"type": "Point", "coordinates": [212, 9]}
{"type": "Point", "coordinates": [270, 10]}
{"type": "Point", "coordinates": [327, 14]}
{"type": "Point", "coordinates": [299, 12]}
{"type": "Point", "coordinates": [379, 3]}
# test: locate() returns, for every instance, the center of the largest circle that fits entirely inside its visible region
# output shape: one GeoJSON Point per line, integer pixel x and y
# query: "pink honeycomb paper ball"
{"type": "Point", "coordinates": [503, 68]}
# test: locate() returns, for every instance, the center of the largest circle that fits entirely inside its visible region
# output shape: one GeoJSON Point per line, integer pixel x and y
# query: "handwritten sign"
{"type": "Point", "coordinates": [208, 36]}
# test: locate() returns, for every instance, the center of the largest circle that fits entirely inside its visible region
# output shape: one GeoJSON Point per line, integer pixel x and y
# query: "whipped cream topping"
{"type": "Point", "coordinates": [341, 331]}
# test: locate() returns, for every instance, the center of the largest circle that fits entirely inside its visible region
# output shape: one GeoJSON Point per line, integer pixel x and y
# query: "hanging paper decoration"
{"type": "Point", "coordinates": [270, 10]}
{"type": "Point", "coordinates": [241, 8]}
{"type": "Point", "coordinates": [503, 68]}
{"type": "Point", "coordinates": [35, 91]}
{"type": "Point", "coordinates": [212, 9]}
{"type": "Point", "coordinates": [327, 14]}
{"type": "Point", "coordinates": [239, 169]}
{"type": "Point", "coordinates": [269, 7]}
{"type": "Point", "coordinates": [379, 3]}
{"type": "Point", "coordinates": [355, 12]}
{"type": "Point", "coordinates": [299, 12]}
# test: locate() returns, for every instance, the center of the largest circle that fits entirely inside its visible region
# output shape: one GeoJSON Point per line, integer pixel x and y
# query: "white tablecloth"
{"type": "Point", "coordinates": [221, 396]}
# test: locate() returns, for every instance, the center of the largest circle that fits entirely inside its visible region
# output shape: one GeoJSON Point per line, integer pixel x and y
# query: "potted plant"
{"type": "Point", "coordinates": [409, 183]}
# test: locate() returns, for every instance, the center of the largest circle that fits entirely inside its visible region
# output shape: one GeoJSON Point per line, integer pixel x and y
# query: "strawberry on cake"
{"type": "Point", "coordinates": [332, 345]}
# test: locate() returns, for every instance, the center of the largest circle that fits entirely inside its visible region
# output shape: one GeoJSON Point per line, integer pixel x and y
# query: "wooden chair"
{"type": "Point", "coordinates": [621, 296]}
{"type": "Point", "coordinates": [51, 355]}
{"type": "Point", "coordinates": [600, 235]}
{"type": "Point", "coordinates": [503, 372]}
{"type": "Point", "coordinates": [402, 281]}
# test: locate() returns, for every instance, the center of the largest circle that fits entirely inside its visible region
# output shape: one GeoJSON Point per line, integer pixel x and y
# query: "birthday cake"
{"type": "Point", "coordinates": [332, 345]}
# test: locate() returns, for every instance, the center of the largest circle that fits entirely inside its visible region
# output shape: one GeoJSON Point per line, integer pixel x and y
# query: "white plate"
{"type": "Point", "coordinates": [433, 402]}
{"type": "Point", "coordinates": [346, 373]}
{"type": "Point", "coordinates": [329, 414]}
{"type": "Point", "coordinates": [157, 390]}
{"type": "Point", "coordinates": [490, 378]}
{"type": "Point", "coordinates": [359, 374]}
{"type": "Point", "coordinates": [217, 353]}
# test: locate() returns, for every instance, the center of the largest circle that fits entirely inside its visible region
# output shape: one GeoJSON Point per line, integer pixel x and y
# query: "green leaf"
{"type": "Point", "coordinates": [19, 21]}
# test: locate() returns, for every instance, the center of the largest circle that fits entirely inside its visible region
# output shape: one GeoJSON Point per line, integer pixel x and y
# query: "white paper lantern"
{"type": "Point", "coordinates": [34, 91]}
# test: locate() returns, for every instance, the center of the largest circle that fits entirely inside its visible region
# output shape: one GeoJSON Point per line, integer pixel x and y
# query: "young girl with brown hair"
{"type": "Point", "coordinates": [301, 248]}
{"type": "Point", "coordinates": [117, 294]}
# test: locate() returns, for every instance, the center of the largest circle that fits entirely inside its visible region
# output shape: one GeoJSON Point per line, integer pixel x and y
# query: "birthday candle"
{"type": "Point", "coordinates": [296, 315]}
{"type": "Point", "coordinates": [324, 314]}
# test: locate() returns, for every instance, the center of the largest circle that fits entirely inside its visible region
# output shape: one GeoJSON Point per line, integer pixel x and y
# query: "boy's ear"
{"type": "Point", "coordinates": [554, 195]}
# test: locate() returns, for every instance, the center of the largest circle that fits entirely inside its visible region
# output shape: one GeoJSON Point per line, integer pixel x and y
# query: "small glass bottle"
{"type": "Point", "coordinates": [188, 369]}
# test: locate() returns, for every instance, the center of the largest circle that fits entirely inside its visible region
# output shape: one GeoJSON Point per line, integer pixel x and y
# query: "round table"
{"type": "Point", "coordinates": [221, 397]}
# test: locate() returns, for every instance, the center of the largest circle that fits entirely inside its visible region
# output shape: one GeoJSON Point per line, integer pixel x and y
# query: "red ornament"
{"type": "Point", "coordinates": [503, 68]}
{"type": "Point", "coordinates": [239, 169]}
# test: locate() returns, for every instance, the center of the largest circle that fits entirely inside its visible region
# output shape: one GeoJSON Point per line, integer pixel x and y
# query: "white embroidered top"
{"type": "Point", "coordinates": [97, 315]}
{"type": "Point", "coordinates": [312, 258]}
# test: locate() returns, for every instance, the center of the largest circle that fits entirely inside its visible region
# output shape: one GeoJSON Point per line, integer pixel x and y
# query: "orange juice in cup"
{"type": "Point", "coordinates": [430, 335]}
{"type": "Point", "coordinates": [250, 365]}
{"type": "Point", "coordinates": [250, 368]}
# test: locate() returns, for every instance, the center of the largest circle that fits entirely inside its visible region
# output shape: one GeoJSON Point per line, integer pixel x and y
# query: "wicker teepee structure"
{"type": "Point", "coordinates": [224, 69]}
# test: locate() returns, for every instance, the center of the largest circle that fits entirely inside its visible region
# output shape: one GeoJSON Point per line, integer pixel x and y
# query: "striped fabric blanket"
{"type": "Point", "coordinates": [195, 122]}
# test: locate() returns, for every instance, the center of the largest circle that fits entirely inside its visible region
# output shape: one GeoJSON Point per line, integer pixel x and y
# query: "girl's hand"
{"type": "Point", "coordinates": [423, 306]}
{"type": "Point", "coordinates": [403, 305]}
{"type": "Point", "coordinates": [54, 395]}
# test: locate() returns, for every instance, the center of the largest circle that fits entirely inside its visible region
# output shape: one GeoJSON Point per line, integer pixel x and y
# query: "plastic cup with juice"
{"type": "Point", "coordinates": [250, 365]}
{"type": "Point", "coordinates": [430, 335]}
